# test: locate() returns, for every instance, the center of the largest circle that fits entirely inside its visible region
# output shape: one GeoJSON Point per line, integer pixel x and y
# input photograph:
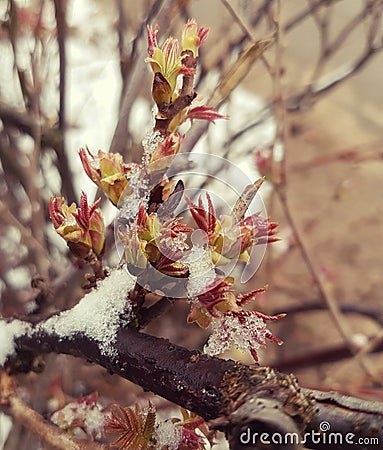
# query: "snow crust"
{"type": "Point", "coordinates": [90, 416]}
{"type": "Point", "coordinates": [228, 330]}
{"type": "Point", "coordinates": [168, 435]}
{"type": "Point", "coordinates": [8, 333]}
{"type": "Point", "coordinates": [99, 314]}
{"type": "Point", "coordinates": [201, 270]}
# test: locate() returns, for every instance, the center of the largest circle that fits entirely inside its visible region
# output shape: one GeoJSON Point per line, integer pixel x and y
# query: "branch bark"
{"type": "Point", "coordinates": [236, 398]}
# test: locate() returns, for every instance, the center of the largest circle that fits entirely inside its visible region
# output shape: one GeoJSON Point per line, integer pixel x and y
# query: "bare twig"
{"type": "Point", "coordinates": [318, 86]}
{"type": "Point", "coordinates": [330, 354]}
{"type": "Point", "coordinates": [61, 40]}
{"type": "Point", "coordinates": [301, 16]}
{"type": "Point", "coordinates": [59, 147]}
{"type": "Point", "coordinates": [26, 235]}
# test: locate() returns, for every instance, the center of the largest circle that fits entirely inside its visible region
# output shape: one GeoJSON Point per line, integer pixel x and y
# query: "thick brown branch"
{"type": "Point", "coordinates": [236, 396]}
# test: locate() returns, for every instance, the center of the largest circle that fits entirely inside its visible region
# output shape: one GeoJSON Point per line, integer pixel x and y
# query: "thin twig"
{"type": "Point", "coordinates": [62, 159]}
{"type": "Point", "coordinates": [51, 434]}
{"type": "Point", "coordinates": [245, 28]}
{"type": "Point", "coordinates": [327, 355]}
{"type": "Point", "coordinates": [61, 40]}
{"type": "Point", "coordinates": [27, 236]}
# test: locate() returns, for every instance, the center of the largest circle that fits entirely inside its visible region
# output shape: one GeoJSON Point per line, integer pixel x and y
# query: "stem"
{"type": "Point", "coordinates": [232, 393]}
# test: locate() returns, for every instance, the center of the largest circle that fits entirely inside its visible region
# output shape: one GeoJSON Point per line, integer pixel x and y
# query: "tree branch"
{"type": "Point", "coordinates": [50, 137]}
{"type": "Point", "coordinates": [234, 395]}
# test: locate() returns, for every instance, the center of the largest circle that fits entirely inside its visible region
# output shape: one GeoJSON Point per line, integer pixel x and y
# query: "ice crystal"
{"type": "Point", "coordinates": [99, 313]}
{"type": "Point", "coordinates": [244, 330]}
{"type": "Point", "coordinates": [201, 270]}
{"type": "Point", "coordinates": [168, 435]}
{"type": "Point", "coordinates": [139, 195]}
{"type": "Point", "coordinates": [180, 242]}
{"type": "Point", "coordinates": [8, 333]}
{"type": "Point", "coordinates": [149, 144]}
{"type": "Point", "coordinates": [89, 417]}
{"type": "Point", "coordinates": [175, 244]}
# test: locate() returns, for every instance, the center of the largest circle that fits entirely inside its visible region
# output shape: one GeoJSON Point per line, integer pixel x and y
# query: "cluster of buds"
{"type": "Point", "coordinates": [170, 60]}
{"type": "Point", "coordinates": [162, 243]}
{"type": "Point", "coordinates": [108, 172]}
{"type": "Point", "coordinates": [220, 307]}
{"type": "Point", "coordinates": [82, 227]}
{"type": "Point", "coordinates": [157, 240]}
{"type": "Point", "coordinates": [229, 240]}
{"type": "Point", "coordinates": [139, 428]}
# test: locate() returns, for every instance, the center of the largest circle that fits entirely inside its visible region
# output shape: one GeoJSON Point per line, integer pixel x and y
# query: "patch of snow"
{"type": "Point", "coordinates": [139, 185]}
{"type": "Point", "coordinates": [201, 270]}
{"type": "Point", "coordinates": [91, 417]}
{"type": "Point", "coordinates": [168, 435]}
{"type": "Point", "coordinates": [149, 144]}
{"type": "Point", "coordinates": [8, 332]}
{"type": "Point", "coordinates": [98, 314]}
{"type": "Point", "coordinates": [229, 330]}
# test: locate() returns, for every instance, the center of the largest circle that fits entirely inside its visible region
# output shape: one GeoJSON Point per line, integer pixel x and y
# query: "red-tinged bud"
{"type": "Point", "coordinates": [163, 155]}
{"type": "Point", "coordinates": [218, 297]}
{"type": "Point", "coordinates": [82, 228]}
{"type": "Point", "coordinates": [108, 172]}
{"type": "Point", "coordinates": [242, 299]}
{"type": "Point", "coordinates": [97, 230]}
{"type": "Point", "coordinates": [142, 218]}
{"type": "Point", "coordinates": [205, 219]}
{"type": "Point", "coordinates": [148, 227]}
{"type": "Point", "coordinates": [170, 187]}
{"type": "Point", "coordinates": [261, 230]}
{"type": "Point", "coordinates": [204, 112]}
{"type": "Point", "coordinates": [134, 256]}
{"type": "Point", "coordinates": [194, 431]}
{"type": "Point", "coordinates": [193, 37]}
{"type": "Point", "coordinates": [167, 61]}
{"type": "Point", "coordinates": [152, 38]}
{"type": "Point", "coordinates": [168, 266]}
{"type": "Point", "coordinates": [68, 228]}
{"type": "Point", "coordinates": [264, 162]}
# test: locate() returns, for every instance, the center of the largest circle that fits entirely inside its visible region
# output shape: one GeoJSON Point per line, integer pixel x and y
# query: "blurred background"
{"type": "Point", "coordinates": [307, 114]}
